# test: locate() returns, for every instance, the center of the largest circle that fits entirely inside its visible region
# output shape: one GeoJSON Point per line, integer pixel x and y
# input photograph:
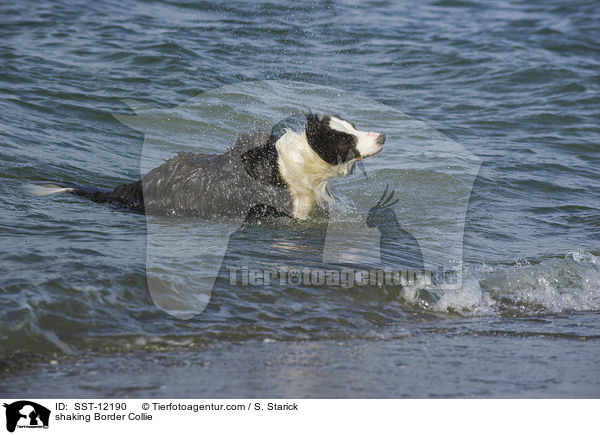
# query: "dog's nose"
{"type": "Point", "coordinates": [381, 139]}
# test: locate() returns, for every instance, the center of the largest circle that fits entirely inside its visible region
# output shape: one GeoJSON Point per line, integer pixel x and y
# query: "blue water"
{"type": "Point", "coordinates": [514, 84]}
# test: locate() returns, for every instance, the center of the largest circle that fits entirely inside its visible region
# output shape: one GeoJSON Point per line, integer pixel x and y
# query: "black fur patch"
{"type": "Point", "coordinates": [261, 163]}
{"type": "Point", "coordinates": [333, 146]}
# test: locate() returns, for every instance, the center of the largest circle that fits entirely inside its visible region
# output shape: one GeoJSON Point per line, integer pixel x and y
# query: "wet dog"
{"type": "Point", "coordinates": [261, 174]}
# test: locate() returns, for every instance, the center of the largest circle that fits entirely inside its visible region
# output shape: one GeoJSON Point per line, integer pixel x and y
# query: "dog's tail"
{"type": "Point", "coordinates": [45, 188]}
{"type": "Point", "coordinates": [126, 195]}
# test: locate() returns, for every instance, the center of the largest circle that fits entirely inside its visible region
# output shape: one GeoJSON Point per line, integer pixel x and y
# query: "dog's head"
{"type": "Point", "coordinates": [337, 141]}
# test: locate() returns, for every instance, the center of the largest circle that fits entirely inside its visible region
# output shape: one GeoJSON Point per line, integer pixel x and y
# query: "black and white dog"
{"type": "Point", "coordinates": [260, 174]}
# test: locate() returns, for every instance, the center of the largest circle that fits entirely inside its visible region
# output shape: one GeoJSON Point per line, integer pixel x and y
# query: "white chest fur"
{"type": "Point", "coordinates": [305, 173]}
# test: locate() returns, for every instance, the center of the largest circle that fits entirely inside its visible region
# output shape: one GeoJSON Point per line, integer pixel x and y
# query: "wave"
{"type": "Point", "coordinates": [66, 320]}
{"type": "Point", "coordinates": [555, 285]}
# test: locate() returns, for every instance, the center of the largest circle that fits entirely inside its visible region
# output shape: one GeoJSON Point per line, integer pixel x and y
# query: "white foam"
{"type": "Point", "coordinates": [570, 283]}
{"type": "Point", "coordinates": [469, 299]}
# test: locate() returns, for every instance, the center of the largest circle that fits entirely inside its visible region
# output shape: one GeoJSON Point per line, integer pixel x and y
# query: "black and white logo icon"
{"type": "Point", "coordinates": [26, 414]}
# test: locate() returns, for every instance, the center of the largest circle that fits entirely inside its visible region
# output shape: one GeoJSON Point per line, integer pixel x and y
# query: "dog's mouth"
{"type": "Point", "coordinates": [372, 154]}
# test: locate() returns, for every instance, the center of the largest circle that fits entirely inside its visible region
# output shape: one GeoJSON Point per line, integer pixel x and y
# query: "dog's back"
{"type": "Point", "coordinates": [192, 184]}
{"type": "Point", "coordinates": [211, 184]}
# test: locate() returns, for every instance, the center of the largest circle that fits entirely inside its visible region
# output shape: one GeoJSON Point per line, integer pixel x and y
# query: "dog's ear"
{"type": "Point", "coordinates": [314, 126]}
{"type": "Point", "coordinates": [311, 118]}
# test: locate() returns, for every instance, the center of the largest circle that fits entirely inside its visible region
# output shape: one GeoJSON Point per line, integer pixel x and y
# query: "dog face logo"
{"type": "Point", "coordinates": [26, 414]}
